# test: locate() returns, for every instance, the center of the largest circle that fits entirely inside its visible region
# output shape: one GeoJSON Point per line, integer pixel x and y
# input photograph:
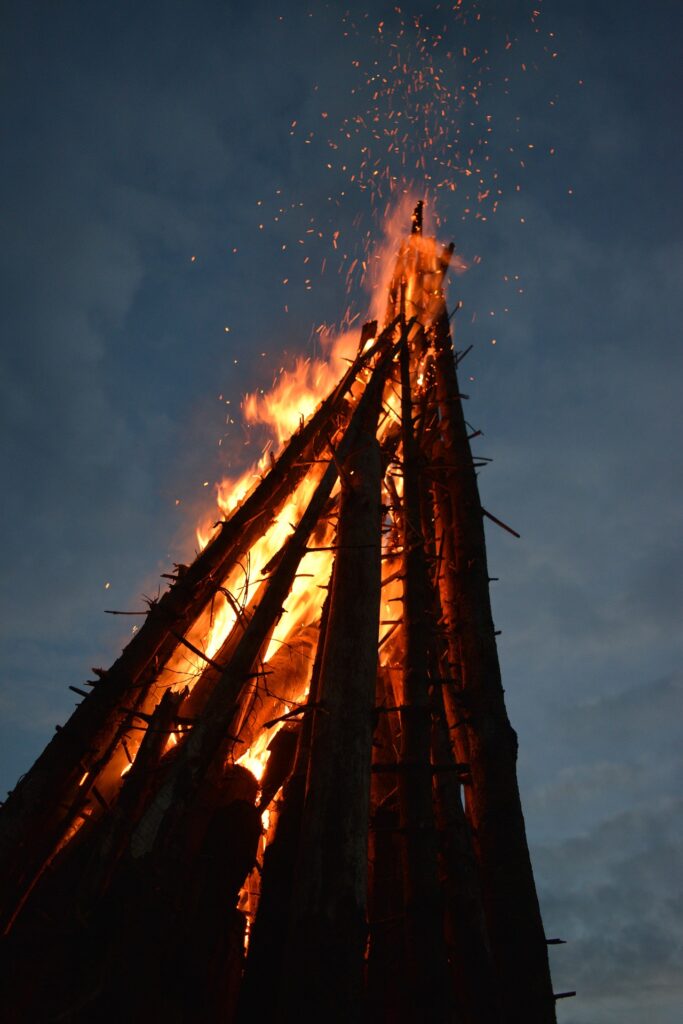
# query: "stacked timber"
{"type": "Point", "coordinates": [321, 826]}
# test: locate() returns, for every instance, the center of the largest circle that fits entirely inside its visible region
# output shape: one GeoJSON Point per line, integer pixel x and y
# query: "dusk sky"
{"type": "Point", "coordinates": [158, 156]}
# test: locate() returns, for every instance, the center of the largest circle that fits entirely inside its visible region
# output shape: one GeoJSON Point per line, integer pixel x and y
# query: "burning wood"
{"type": "Point", "coordinates": [278, 827]}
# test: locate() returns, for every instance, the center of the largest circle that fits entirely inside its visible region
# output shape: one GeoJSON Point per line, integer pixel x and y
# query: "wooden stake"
{"type": "Point", "coordinates": [430, 989]}
{"type": "Point", "coordinates": [510, 900]}
{"type": "Point", "coordinates": [270, 930]}
{"type": "Point", "coordinates": [328, 929]}
{"type": "Point", "coordinates": [470, 958]}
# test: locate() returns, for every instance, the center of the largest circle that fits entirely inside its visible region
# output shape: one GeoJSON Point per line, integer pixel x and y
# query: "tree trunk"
{"type": "Point", "coordinates": [423, 907]}
{"type": "Point", "coordinates": [328, 931]}
{"type": "Point", "coordinates": [270, 930]}
{"type": "Point", "coordinates": [510, 900]}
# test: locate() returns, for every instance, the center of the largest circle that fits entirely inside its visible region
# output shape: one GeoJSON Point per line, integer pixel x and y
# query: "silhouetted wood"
{"type": "Point", "coordinates": [494, 806]}
{"type": "Point", "coordinates": [430, 988]}
{"type": "Point", "coordinates": [139, 784]}
{"type": "Point", "coordinates": [445, 553]}
{"type": "Point", "coordinates": [470, 960]}
{"type": "Point", "coordinates": [270, 930]}
{"type": "Point", "coordinates": [162, 942]}
{"type": "Point", "coordinates": [387, 991]}
{"type": "Point", "coordinates": [328, 927]}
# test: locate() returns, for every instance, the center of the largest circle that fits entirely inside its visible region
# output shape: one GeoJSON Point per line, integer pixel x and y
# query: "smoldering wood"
{"type": "Point", "coordinates": [448, 601]}
{"type": "Point", "coordinates": [291, 667]}
{"type": "Point", "coordinates": [137, 787]}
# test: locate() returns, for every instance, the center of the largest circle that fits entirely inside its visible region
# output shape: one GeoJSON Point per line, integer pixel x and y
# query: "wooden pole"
{"type": "Point", "coordinates": [453, 696]}
{"type": "Point", "coordinates": [267, 944]}
{"type": "Point", "coordinates": [328, 930]}
{"type": "Point", "coordinates": [427, 968]}
{"type": "Point", "coordinates": [387, 991]}
{"type": "Point", "coordinates": [476, 985]}
{"type": "Point", "coordinates": [494, 808]}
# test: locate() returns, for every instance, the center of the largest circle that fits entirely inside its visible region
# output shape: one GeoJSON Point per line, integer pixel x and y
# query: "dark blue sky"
{"type": "Point", "coordinates": [138, 135]}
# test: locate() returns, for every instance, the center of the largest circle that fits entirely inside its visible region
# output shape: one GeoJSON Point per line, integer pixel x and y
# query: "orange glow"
{"type": "Point", "coordinates": [412, 264]}
{"type": "Point", "coordinates": [410, 267]}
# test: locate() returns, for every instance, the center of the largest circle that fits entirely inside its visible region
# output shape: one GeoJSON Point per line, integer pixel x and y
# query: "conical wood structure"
{"type": "Point", "coordinates": [327, 827]}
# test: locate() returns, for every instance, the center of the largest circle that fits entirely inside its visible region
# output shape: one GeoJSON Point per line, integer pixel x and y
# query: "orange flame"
{"type": "Point", "coordinates": [293, 399]}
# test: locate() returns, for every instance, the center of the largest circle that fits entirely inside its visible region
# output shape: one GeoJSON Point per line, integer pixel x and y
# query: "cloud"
{"type": "Point", "coordinates": [148, 134]}
{"type": "Point", "coordinates": [615, 895]}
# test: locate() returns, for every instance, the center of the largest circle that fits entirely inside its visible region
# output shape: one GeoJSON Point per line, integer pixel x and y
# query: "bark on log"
{"type": "Point", "coordinates": [386, 983]}
{"type": "Point", "coordinates": [454, 702]}
{"type": "Point", "coordinates": [430, 984]}
{"type": "Point", "coordinates": [471, 964]}
{"type": "Point", "coordinates": [470, 958]}
{"type": "Point", "coordinates": [510, 899]}
{"type": "Point", "coordinates": [328, 930]}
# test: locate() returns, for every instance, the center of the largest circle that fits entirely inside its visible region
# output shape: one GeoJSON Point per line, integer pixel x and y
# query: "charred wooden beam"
{"type": "Point", "coordinates": [416, 227]}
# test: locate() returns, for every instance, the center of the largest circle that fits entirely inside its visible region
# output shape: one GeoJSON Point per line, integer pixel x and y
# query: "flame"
{"type": "Point", "coordinates": [298, 392]}
{"type": "Point", "coordinates": [416, 264]}
{"type": "Point", "coordinates": [407, 270]}
{"type": "Point", "coordinates": [255, 760]}
{"type": "Point", "coordinates": [413, 266]}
